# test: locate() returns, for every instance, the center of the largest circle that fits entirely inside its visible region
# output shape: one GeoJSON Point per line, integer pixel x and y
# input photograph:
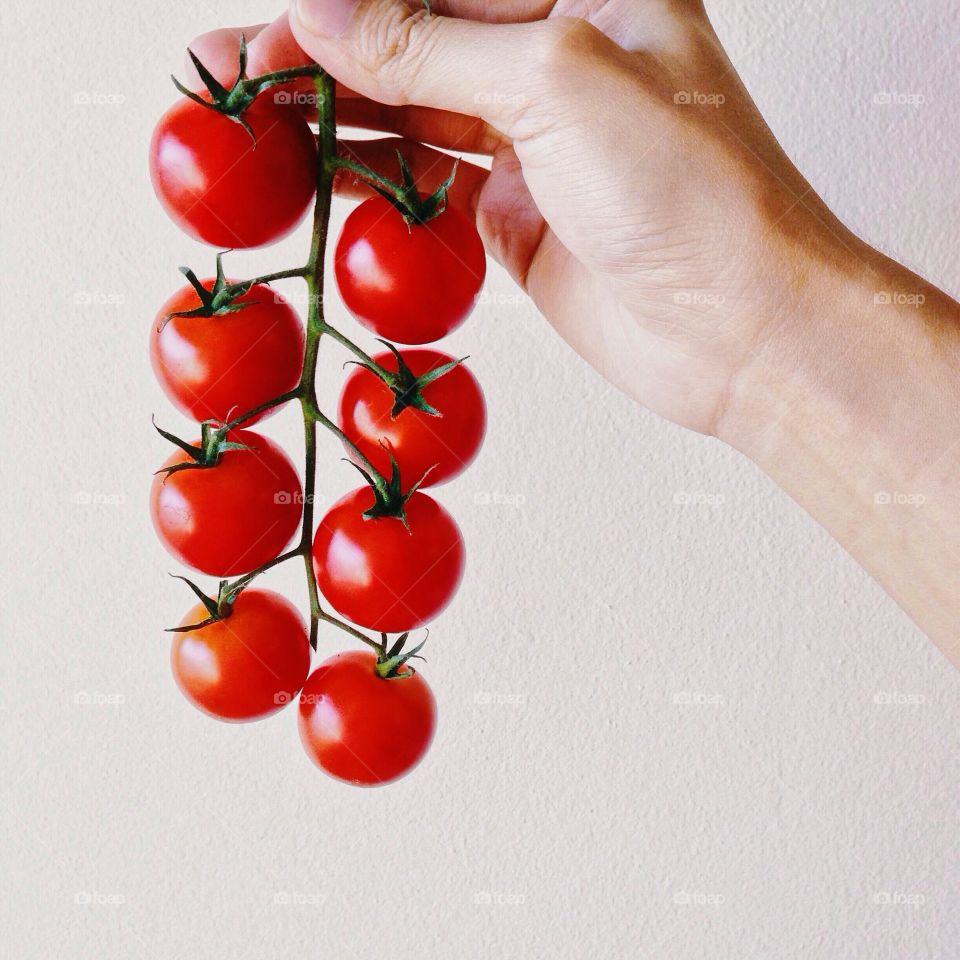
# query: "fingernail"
{"type": "Point", "coordinates": [326, 18]}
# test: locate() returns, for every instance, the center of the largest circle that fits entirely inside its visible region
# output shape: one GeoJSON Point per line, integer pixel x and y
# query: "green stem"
{"type": "Point", "coordinates": [269, 278]}
{"type": "Point", "coordinates": [345, 163]}
{"type": "Point", "coordinates": [266, 405]}
{"type": "Point", "coordinates": [325, 87]}
{"type": "Point", "coordinates": [263, 568]}
{"type": "Point", "coordinates": [358, 352]}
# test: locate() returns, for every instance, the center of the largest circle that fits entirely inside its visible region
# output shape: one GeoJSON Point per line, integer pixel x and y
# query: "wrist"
{"type": "Point", "coordinates": [867, 346]}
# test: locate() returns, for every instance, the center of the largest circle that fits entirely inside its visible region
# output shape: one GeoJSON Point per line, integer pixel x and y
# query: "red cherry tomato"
{"type": "Point", "coordinates": [381, 575]}
{"type": "Point", "coordinates": [220, 188]}
{"type": "Point", "coordinates": [408, 284]}
{"type": "Point", "coordinates": [360, 728]}
{"type": "Point", "coordinates": [249, 664]}
{"type": "Point", "coordinates": [417, 440]}
{"type": "Point", "coordinates": [231, 517]}
{"type": "Point", "coordinates": [215, 367]}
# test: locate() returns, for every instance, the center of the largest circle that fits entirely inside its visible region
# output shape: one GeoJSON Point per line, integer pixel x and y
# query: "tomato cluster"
{"type": "Point", "coordinates": [238, 168]}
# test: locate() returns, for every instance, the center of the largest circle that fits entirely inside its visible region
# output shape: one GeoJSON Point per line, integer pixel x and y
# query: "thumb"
{"type": "Point", "coordinates": [396, 55]}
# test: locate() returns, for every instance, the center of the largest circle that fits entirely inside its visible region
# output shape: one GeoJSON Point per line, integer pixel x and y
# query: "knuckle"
{"type": "Point", "coordinates": [565, 44]}
{"type": "Point", "coordinates": [396, 47]}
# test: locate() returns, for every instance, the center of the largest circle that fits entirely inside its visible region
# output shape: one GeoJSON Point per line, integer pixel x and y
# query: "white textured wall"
{"type": "Point", "coordinates": [573, 804]}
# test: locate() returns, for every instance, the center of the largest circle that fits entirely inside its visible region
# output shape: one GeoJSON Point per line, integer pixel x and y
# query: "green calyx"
{"type": "Point", "coordinates": [218, 609]}
{"type": "Point", "coordinates": [393, 664]}
{"type": "Point", "coordinates": [406, 387]}
{"type": "Point", "coordinates": [389, 498]}
{"type": "Point", "coordinates": [219, 299]}
{"type": "Point", "coordinates": [243, 91]}
{"type": "Point", "coordinates": [406, 199]}
{"type": "Point", "coordinates": [213, 444]}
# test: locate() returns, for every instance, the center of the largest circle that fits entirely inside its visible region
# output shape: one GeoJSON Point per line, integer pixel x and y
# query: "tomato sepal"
{"type": "Point", "coordinates": [218, 609]}
{"type": "Point", "coordinates": [213, 444]}
{"type": "Point", "coordinates": [394, 665]}
{"type": "Point", "coordinates": [218, 300]}
{"type": "Point", "coordinates": [389, 498]}
{"type": "Point", "coordinates": [404, 197]}
{"type": "Point", "coordinates": [243, 91]}
{"type": "Point", "coordinates": [405, 385]}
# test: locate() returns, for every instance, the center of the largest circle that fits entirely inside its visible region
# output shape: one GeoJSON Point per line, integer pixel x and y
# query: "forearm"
{"type": "Point", "coordinates": [857, 416]}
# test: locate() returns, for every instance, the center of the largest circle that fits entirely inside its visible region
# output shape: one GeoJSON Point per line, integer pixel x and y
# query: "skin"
{"type": "Point", "coordinates": [674, 245]}
{"type": "Point", "coordinates": [246, 666]}
{"type": "Point", "coordinates": [444, 445]}
{"type": "Point", "coordinates": [360, 728]}
{"type": "Point", "coordinates": [381, 574]}
{"type": "Point", "coordinates": [232, 517]}
{"type": "Point", "coordinates": [216, 367]}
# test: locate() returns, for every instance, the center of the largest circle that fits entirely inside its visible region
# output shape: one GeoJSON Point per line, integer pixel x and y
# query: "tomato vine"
{"type": "Point", "coordinates": [397, 548]}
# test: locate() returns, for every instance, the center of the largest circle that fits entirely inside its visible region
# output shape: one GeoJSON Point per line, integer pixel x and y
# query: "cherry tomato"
{"type": "Point", "coordinates": [360, 728]}
{"type": "Point", "coordinates": [219, 187]}
{"type": "Point", "coordinates": [381, 575]}
{"type": "Point", "coordinates": [417, 440]}
{"type": "Point", "coordinates": [249, 664]}
{"type": "Point", "coordinates": [215, 367]}
{"type": "Point", "coordinates": [408, 284]}
{"type": "Point", "coordinates": [232, 517]}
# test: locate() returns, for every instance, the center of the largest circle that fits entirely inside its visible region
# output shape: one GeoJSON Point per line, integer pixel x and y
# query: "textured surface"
{"type": "Point", "coordinates": [669, 728]}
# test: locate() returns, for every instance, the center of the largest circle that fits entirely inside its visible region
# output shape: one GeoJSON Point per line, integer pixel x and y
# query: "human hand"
{"type": "Point", "coordinates": [635, 192]}
{"type": "Point", "coordinates": [639, 198]}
